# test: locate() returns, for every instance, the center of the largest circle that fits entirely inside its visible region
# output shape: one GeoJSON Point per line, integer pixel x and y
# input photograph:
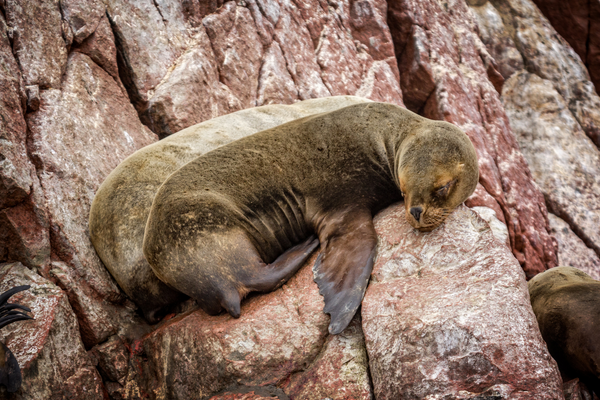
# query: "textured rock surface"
{"type": "Point", "coordinates": [564, 161]}
{"type": "Point", "coordinates": [579, 23]}
{"type": "Point", "coordinates": [575, 390]}
{"type": "Point", "coordinates": [23, 226]}
{"type": "Point", "coordinates": [49, 350]}
{"type": "Point", "coordinates": [100, 47]}
{"type": "Point", "coordinates": [280, 337]}
{"type": "Point", "coordinates": [248, 54]}
{"type": "Point", "coordinates": [436, 311]}
{"type": "Point", "coordinates": [339, 372]}
{"type": "Point", "coordinates": [71, 70]}
{"type": "Point", "coordinates": [572, 252]}
{"type": "Point", "coordinates": [544, 53]}
{"type": "Point", "coordinates": [79, 134]}
{"type": "Point", "coordinates": [550, 111]}
{"type": "Point", "coordinates": [449, 58]}
{"type": "Point", "coordinates": [37, 35]}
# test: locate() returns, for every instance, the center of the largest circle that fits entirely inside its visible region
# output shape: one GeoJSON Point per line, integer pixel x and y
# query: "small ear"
{"type": "Point", "coordinates": [460, 166]}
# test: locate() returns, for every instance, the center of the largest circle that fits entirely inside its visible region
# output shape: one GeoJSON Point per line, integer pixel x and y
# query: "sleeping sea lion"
{"type": "Point", "coordinates": [241, 218]}
{"type": "Point", "coordinates": [122, 203]}
{"type": "Point", "coordinates": [566, 303]}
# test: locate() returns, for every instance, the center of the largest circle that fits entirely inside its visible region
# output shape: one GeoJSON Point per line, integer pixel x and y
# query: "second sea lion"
{"type": "Point", "coordinates": [241, 217]}
{"type": "Point", "coordinates": [566, 303]}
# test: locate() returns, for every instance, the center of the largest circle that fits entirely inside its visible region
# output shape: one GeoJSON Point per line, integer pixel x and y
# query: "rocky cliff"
{"type": "Point", "coordinates": [84, 84]}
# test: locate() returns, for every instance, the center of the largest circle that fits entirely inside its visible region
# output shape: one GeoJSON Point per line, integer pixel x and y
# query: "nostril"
{"type": "Point", "coordinates": [416, 212]}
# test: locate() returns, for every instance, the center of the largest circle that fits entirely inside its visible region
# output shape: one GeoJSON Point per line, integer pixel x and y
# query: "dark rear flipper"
{"type": "Point", "coordinates": [267, 277]}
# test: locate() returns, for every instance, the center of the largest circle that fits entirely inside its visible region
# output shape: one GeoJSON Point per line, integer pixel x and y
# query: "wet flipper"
{"type": "Point", "coordinates": [343, 268]}
{"type": "Point", "coordinates": [269, 277]}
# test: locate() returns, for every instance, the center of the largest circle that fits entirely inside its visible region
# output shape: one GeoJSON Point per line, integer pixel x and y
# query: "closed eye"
{"type": "Point", "coordinates": [443, 191]}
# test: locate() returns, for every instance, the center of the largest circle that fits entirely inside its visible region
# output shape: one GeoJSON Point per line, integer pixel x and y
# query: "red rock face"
{"type": "Point", "coordinates": [444, 74]}
{"type": "Point", "coordinates": [77, 78]}
{"type": "Point", "coordinates": [554, 103]}
{"type": "Point", "coordinates": [280, 340]}
{"type": "Point", "coordinates": [579, 23]}
{"type": "Point", "coordinates": [53, 361]}
{"type": "Point", "coordinates": [23, 223]}
{"type": "Point", "coordinates": [37, 36]}
{"type": "Point", "coordinates": [78, 135]}
{"type": "Point", "coordinates": [435, 311]}
{"type": "Point", "coordinates": [290, 51]}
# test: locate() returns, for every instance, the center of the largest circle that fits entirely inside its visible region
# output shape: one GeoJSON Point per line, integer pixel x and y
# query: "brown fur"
{"type": "Point", "coordinates": [122, 204]}
{"type": "Point", "coordinates": [219, 224]}
{"type": "Point", "coordinates": [566, 303]}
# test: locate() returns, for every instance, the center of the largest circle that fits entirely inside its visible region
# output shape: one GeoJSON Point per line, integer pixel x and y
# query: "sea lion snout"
{"type": "Point", "coordinates": [416, 212]}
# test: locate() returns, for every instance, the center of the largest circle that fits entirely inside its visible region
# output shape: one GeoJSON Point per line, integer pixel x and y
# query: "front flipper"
{"type": "Point", "coordinates": [343, 268]}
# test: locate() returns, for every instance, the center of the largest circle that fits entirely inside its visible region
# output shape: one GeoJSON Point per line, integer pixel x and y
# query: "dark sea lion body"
{"type": "Point", "coordinates": [566, 303]}
{"type": "Point", "coordinates": [240, 218]}
{"type": "Point", "coordinates": [122, 204]}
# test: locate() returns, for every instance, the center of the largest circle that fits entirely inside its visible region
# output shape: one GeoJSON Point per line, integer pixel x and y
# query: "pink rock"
{"type": "Point", "coordinates": [250, 53]}
{"type": "Point", "coordinates": [276, 85]}
{"type": "Point", "coordinates": [368, 24]}
{"type": "Point", "coordinates": [550, 58]}
{"type": "Point", "coordinates": [78, 136]}
{"type": "Point", "coordinates": [576, 390]}
{"type": "Point", "coordinates": [38, 42]}
{"type": "Point", "coordinates": [380, 83]}
{"type": "Point", "coordinates": [15, 172]}
{"type": "Point", "coordinates": [578, 23]}
{"type": "Point", "coordinates": [246, 395]}
{"type": "Point", "coordinates": [564, 161]}
{"type": "Point", "coordinates": [572, 251]}
{"type": "Point", "coordinates": [445, 42]}
{"type": "Point", "coordinates": [447, 315]}
{"type": "Point", "coordinates": [239, 61]}
{"type": "Point", "coordinates": [147, 46]}
{"type": "Point", "coordinates": [113, 359]}
{"type": "Point", "coordinates": [339, 372]}
{"type": "Point", "coordinates": [298, 50]}
{"type": "Point", "coordinates": [278, 333]}
{"type": "Point", "coordinates": [83, 16]}
{"type": "Point", "coordinates": [100, 47]}
{"type": "Point", "coordinates": [497, 39]}
{"type": "Point", "coordinates": [338, 57]}
{"type": "Point", "coordinates": [24, 232]}
{"type": "Point", "coordinates": [23, 224]}
{"type": "Point", "coordinates": [95, 314]}
{"type": "Point", "coordinates": [49, 350]}
{"type": "Point", "coordinates": [417, 78]}
{"type": "Point", "coordinates": [193, 92]}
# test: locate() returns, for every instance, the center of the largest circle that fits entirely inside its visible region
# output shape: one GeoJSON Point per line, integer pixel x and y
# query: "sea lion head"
{"type": "Point", "coordinates": [437, 171]}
